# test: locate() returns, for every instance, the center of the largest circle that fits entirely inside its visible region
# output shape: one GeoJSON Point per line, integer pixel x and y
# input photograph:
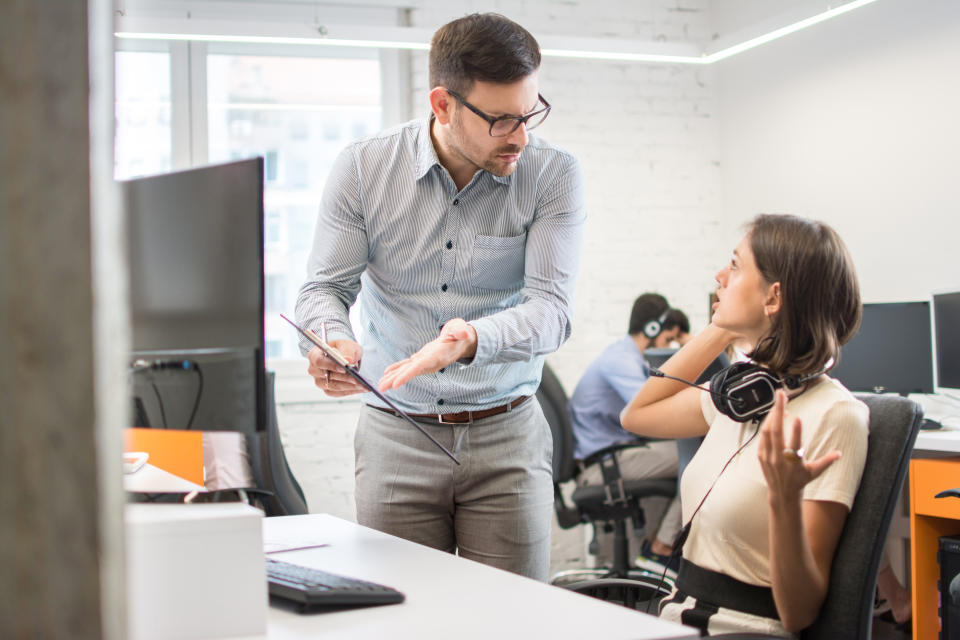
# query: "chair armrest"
{"type": "Point", "coordinates": [600, 454]}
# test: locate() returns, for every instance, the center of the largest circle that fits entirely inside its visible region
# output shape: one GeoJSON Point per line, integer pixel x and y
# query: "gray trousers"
{"type": "Point", "coordinates": [495, 508]}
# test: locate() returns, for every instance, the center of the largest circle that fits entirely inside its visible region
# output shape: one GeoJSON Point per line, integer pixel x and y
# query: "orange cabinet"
{"type": "Point", "coordinates": [930, 518]}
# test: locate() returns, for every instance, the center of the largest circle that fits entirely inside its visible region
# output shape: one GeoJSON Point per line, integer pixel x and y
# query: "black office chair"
{"type": "Point", "coordinates": [848, 609]}
{"type": "Point", "coordinates": [280, 493]}
{"type": "Point", "coordinates": [610, 506]}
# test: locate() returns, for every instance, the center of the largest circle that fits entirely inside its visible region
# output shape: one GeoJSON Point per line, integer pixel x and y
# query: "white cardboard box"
{"type": "Point", "coordinates": [195, 571]}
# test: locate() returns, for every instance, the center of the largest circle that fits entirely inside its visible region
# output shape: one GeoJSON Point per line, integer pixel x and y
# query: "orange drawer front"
{"type": "Point", "coordinates": [927, 479]}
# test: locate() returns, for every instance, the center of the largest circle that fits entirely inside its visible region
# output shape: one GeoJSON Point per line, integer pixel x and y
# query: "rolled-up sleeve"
{"type": "Point", "coordinates": [338, 257]}
{"type": "Point", "coordinates": [542, 322]}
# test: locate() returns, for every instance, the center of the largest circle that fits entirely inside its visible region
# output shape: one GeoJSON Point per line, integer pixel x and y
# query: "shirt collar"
{"type": "Point", "coordinates": [427, 154]}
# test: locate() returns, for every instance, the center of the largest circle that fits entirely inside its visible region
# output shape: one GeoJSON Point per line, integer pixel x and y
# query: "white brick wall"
{"type": "Point", "coordinates": [647, 138]}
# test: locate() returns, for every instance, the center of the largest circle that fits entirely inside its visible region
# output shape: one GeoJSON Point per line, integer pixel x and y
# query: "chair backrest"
{"type": "Point", "coordinates": [553, 401]}
{"type": "Point", "coordinates": [270, 468]}
{"type": "Point", "coordinates": [848, 609]}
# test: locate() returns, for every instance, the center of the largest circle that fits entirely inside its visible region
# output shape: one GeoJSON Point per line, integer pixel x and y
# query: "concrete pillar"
{"type": "Point", "coordinates": [60, 525]}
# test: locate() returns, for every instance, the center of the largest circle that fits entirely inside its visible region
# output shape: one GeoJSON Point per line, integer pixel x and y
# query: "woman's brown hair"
{"type": "Point", "coordinates": [820, 304]}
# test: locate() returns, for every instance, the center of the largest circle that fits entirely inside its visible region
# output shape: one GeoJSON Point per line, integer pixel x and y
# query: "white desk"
{"type": "Point", "coordinates": [446, 596]}
{"type": "Point", "coordinates": [151, 479]}
{"type": "Point", "coordinates": [945, 440]}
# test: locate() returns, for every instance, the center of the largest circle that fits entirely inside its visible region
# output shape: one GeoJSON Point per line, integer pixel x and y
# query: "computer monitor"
{"type": "Point", "coordinates": [195, 240]}
{"type": "Point", "coordinates": [892, 352]}
{"type": "Point", "coordinates": [946, 322]}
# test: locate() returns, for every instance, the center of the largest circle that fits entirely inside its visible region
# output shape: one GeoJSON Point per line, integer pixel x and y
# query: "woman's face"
{"type": "Point", "coordinates": [746, 302]}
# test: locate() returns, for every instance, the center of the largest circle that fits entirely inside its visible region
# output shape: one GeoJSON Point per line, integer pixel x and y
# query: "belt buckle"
{"type": "Point", "coordinates": [469, 419]}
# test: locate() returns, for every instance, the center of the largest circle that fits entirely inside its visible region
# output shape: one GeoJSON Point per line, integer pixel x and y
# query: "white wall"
{"type": "Point", "coordinates": [855, 122]}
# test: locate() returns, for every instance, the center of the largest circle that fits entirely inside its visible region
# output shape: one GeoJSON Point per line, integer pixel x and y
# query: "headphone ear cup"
{"type": "Point", "coordinates": [743, 391]}
{"type": "Point", "coordinates": [717, 383]}
{"type": "Point", "coordinates": [651, 329]}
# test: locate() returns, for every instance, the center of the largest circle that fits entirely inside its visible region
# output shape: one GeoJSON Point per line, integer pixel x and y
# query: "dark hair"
{"type": "Point", "coordinates": [481, 46]}
{"type": "Point", "coordinates": [819, 292]}
{"type": "Point", "coordinates": [676, 318]}
{"type": "Point", "coordinates": [647, 307]}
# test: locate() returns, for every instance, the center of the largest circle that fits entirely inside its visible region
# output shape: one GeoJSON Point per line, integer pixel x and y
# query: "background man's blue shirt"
{"type": "Point", "coordinates": [606, 387]}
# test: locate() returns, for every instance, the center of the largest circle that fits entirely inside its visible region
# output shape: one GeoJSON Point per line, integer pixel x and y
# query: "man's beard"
{"type": "Point", "coordinates": [489, 164]}
{"type": "Point", "coordinates": [495, 165]}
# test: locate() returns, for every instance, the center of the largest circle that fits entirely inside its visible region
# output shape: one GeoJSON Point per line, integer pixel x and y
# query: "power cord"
{"type": "Point", "coordinates": [196, 402]}
{"type": "Point", "coordinates": [180, 365]}
{"type": "Point", "coordinates": [163, 414]}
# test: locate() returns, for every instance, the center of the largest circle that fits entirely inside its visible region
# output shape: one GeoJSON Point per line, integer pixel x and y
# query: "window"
{"type": "Point", "coordinates": [296, 108]}
{"type": "Point", "coordinates": [143, 142]}
{"type": "Point", "coordinates": [292, 105]}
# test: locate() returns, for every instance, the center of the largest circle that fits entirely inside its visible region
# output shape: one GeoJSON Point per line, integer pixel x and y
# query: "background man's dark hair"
{"type": "Point", "coordinates": [676, 318]}
{"type": "Point", "coordinates": [481, 46]}
{"type": "Point", "coordinates": [647, 307]}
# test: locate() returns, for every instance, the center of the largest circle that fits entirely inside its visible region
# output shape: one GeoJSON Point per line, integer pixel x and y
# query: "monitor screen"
{"type": "Point", "coordinates": [892, 352]}
{"type": "Point", "coordinates": [946, 320]}
{"type": "Point", "coordinates": [195, 241]}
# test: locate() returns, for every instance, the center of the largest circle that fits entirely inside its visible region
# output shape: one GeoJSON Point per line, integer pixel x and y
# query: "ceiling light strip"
{"type": "Point", "coordinates": [322, 42]}
{"type": "Point", "coordinates": [624, 56]}
{"type": "Point", "coordinates": [785, 31]}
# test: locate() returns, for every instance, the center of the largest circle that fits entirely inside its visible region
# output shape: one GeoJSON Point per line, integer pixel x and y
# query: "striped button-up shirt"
{"type": "Point", "coordinates": [395, 235]}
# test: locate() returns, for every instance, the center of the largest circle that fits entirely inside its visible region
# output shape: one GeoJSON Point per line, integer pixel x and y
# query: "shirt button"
{"type": "Point", "coordinates": [449, 244]}
{"type": "Point", "coordinates": [443, 288]}
{"type": "Point", "coordinates": [442, 370]}
{"type": "Point", "coordinates": [440, 401]}
{"type": "Point", "coordinates": [456, 201]}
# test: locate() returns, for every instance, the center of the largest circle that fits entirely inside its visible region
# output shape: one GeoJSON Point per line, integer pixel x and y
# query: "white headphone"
{"type": "Point", "coordinates": [653, 328]}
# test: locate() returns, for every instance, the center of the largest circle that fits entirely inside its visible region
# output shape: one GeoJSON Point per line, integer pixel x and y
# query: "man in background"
{"type": "Point", "coordinates": [606, 387]}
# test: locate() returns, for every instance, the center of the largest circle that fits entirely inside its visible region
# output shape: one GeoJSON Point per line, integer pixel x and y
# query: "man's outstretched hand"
{"type": "Point", "coordinates": [457, 340]}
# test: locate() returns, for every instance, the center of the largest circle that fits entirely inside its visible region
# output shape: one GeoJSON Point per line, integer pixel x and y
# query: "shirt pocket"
{"type": "Point", "coordinates": [498, 262]}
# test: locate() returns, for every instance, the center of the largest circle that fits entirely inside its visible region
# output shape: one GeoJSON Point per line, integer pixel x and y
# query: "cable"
{"type": "Point", "coordinates": [196, 402]}
{"type": "Point", "coordinates": [685, 530]}
{"type": "Point", "coordinates": [163, 414]}
{"type": "Point", "coordinates": [738, 402]}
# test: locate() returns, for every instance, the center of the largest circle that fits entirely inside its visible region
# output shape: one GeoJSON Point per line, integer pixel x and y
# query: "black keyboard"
{"type": "Point", "coordinates": [315, 588]}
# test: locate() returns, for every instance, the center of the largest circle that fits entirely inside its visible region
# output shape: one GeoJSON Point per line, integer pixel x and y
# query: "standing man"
{"type": "Point", "coordinates": [458, 235]}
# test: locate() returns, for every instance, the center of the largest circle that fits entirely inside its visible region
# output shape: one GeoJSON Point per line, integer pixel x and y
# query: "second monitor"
{"type": "Point", "coordinates": [892, 352]}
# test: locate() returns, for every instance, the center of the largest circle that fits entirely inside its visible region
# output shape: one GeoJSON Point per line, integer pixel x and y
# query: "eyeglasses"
{"type": "Point", "coordinates": [505, 125]}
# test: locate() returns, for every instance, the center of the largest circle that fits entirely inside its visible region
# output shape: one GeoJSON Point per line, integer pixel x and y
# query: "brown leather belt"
{"type": "Point", "coordinates": [464, 417]}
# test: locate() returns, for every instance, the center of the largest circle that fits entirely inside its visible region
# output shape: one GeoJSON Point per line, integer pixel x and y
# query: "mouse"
{"type": "Point", "coordinates": [928, 424]}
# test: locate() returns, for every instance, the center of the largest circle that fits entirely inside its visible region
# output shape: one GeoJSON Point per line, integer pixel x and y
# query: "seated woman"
{"type": "Point", "coordinates": [766, 496]}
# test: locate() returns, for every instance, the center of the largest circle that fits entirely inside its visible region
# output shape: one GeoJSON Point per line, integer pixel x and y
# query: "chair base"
{"type": "Point", "coordinates": [643, 593]}
{"type": "Point", "coordinates": [569, 576]}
